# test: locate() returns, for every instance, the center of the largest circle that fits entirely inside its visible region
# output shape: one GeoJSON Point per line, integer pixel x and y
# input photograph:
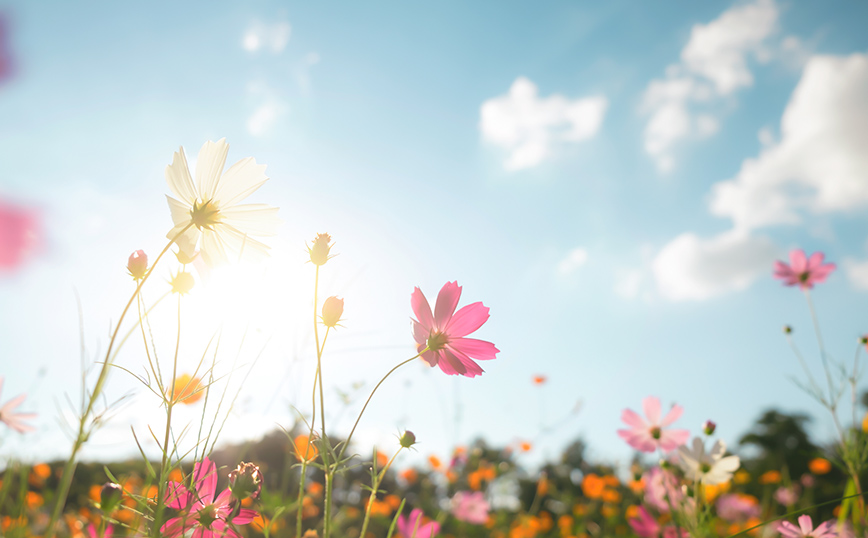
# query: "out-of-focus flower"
{"type": "Point", "coordinates": [444, 332]}
{"type": "Point", "coordinates": [819, 466]}
{"type": "Point", "coordinates": [5, 56]}
{"type": "Point", "coordinates": [770, 477]}
{"type": "Point", "coordinates": [245, 481]}
{"type": "Point", "coordinates": [708, 427]}
{"type": "Point", "coordinates": [525, 446]}
{"type": "Point", "coordinates": [806, 529]}
{"type": "Point", "coordinates": [709, 467]}
{"type": "Point", "coordinates": [803, 271]}
{"type": "Point", "coordinates": [304, 448]}
{"type": "Point", "coordinates": [645, 525]}
{"type": "Point", "coordinates": [209, 208]}
{"type": "Point", "coordinates": [107, 533]}
{"type": "Point", "coordinates": [188, 390]}
{"type": "Point", "coordinates": [808, 480]}
{"type": "Point", "coordinates": [12, 419]}
{"type": "Point", "coordinates": [741, 477]}
{"type": "Point", "coordinates": [417, 525]}
{"type": "Point", "coordinates": [435, 462]}
{"type": "Point", "coordinates": [332, 309]}
{"type": "Point", "coordinates": [203, 512]}
{"type": "Point", "coordinates": [137, 265]}
{"type": "Point", "coordinates": [110, 496]}
{"type": "Point", "coordinates": [787, 496]}
{"type": "Point", "coordinates": [19, 226]}
{"type": "Point", "coordinates": [319, 252]}
{"type": "Point", "coordinates": [408, 439]}
{"type": "Point", "coordinates": [539, 379]}
{"type": "Point", "coordinates": [734, 507]}
{"type": "Point", "coordinates": [661, 489]}
{"type": "Point", "coordinates": [470, 507]}
{"type": "Point", "coordinates": [593, 486]}
{"type": "Point", "coordinates": [649, 436]}
{"type": "Point", "coordinates": [182, 282]}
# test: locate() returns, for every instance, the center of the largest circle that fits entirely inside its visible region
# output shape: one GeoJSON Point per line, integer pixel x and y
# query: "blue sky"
{"type": "Point", "coordinates": [613, 180]}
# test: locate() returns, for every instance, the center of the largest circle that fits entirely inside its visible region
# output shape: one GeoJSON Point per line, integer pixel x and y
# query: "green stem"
{"type": "Point", "coordinates": [375, 486]}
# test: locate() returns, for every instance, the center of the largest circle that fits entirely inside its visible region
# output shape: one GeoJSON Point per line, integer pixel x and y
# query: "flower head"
{"type": "Point", "coordinates": [649, 436]}
{"type": "Point", "coordinates": [207, 211]}
{"type": "Point", "coordinates": [470, 507]}
{"type": "Point", "coordinates": [319, 252]}
{"type": "Point", "coordinates": [645, 525]}
{"type": "Point", "coordinates": [443, 333]}
{"type": "Point", "coordinates": [246, 481]}
{"type": "Point", "coordinates": [803, 271]}
{"type": "Point", "coordinates": [417, 525]}
{"type": "Point", "coordinates": [332, 309]}
{"type": "Point", "coordinates": [182, 282]}
{"type": "Point", "coordinates": [187, 390]}
{"type": "Point", "coordinates": [110, 497]}
{"type": "Point", "coordinates": [661, 489]}
{"type": "Point", "coordinates": [806, 529]}
{"type": "Point", "coordinates": [137, 265]}
{"type": "Point", "coordinates": [408, 439]}
{"type": "Point", "coordinates": [12, 419]}
{"type": "Point", "coordinates": [734, 507]}
{"type": "Point", "coordinates": [708, 467]}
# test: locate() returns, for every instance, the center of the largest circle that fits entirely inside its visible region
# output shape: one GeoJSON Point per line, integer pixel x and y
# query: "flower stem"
{"type": "Point", "coordinates": [374, 487]}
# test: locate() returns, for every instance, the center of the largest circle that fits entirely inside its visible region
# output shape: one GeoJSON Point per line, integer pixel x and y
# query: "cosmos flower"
{"type": "Point", "coordinates": [201, 512]}
{"type": "Point", "coordinates": [645, 525]}
{"type": "Point", "coordinates": [444, 332]}
{"type": "Point", "coordinates": [12, 419]}
{"type": "Point", "coordinates": [423, 527]}
{"type": "Point", "coordinates": [209, 208]}
{"type": "Point", "coordinates": [803, 271]}
{"type": "Point", "coordinates": [661, 489]}
{"type": "Point", "coordinates": [470, 507]}
{"type": "Point", "coordinates": [19, 235]}
{"type": "Point", "coordinates": [709, 468]}
{"type": "Point", "coordinates": [806, 529]}
{"type": "Point", "coordinates": [649, 436]}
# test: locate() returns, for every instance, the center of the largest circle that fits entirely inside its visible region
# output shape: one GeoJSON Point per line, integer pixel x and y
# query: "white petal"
{"type": "Point", "coordinates": [186, 241]}
{"type": "Point", "coordinates": [213, 250]}
{"type": "Point", "coordinates": [729, 463]}
{"type": "Point", "coordinates": [239, 182]}
{"type": "Point", "coordinates": [209, 166]}
{"type": "Point", "coordinates": [180, 212]}
{"type": "Point", "coordinates": [252, 219]}
{"type": "Point", "coordinates": [242, 245]}
{"type": "Point", "coordinates": [178, 178]}
{"type": "Point", "coordinates": [718, 450]}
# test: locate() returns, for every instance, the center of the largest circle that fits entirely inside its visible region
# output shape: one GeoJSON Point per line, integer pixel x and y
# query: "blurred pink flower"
{"type": "Point", "coordinates": [787, 496]}
{"type": "Point", "coordinates": [649, 436]}
{"type": "Point", "coordinates": [19, 233]}
{"type": "Point", "coordinates": [734, 507]}
{"type": "Point", "coordinates": [803, 271]}
{"type": "Point", "coordinates": [470, 507]}
{"type": "Point", "coordinates": [645, 525]}
{"type": "Point", "coordinates": [93, 533]}
{"type": "Point", "coordinates": [406, 526]}
{"type": "Point", "coordinates": [12, 419]}
{"type": "Point", "coordinates": [444, 331]}
{"type": "Point", "coordinates": [201, 512]}
{"type": "Point", "coordinates": [5, 57]}
{"type": "Point", "coordinates": [661, 488]}
{"type": "Point", "coordinates": [806, 529]}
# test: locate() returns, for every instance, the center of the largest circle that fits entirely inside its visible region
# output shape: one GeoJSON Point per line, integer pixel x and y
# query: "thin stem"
{"type": "Point", "coordinates": [832, 399]}
{"type": "Point", "coordinates": [326, 531]}
{"type": "Point", "coordinates": [375, 486]}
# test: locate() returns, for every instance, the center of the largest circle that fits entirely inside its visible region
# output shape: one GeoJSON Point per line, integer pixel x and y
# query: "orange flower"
{"type": "Point", "coordinates": [305, 450]}
{"type": "Point", "coordinates": [637, 486]}
{"type": "Point", "coordinates": [741, 477]}
{"type": "Point", "coordinates": [94, 493]}
{"type": "Point", "coordinates": [379, 508]}
{"type": "Point", "coordinates": [409, 475]}
{"type": "Point", "coordinates": [151, 493]}
{"type": "Point", "coordinates": [188, 389]}
{"type": "Point", "coordinates": [393, 501]}
{"type": "Point", "coordinates": [611, 480]}
{"type": "Point", "coordinates": [176, 475]}
{"type": "Point", "coordinates": [38, 474]}
{"type": "Point", "coordinates": [865, 423]}
{"type": "Point", "coordinates": [308, 508]}
{"type": "Point", "coordinates": [315, 488]}
{"type": "Point", "coordinates": [260, 523]}
{"type": "Point", "coordinates": [770, 477]}
{"type": "Point", "coordinates": [592, 486]}
{"type": "Point", "coordinates": [33, 500]}
{"type": "Point", "coordinates": [611, 496]}
{"type": "Point", "coordinates": [713, 490]}
{"type": "Point", "coordinates": [632, 512]}
{"type": "Point", "coordinates": [451, 476]}
{"type": "Point", "coordinates": [542, 486]}
{"type": "Point", "coordinates": [539, 379]}
{"type": "Point", "coordinates": [382, 460]}
{"type": "Point", "coordinates": [579, 510]}
{"type": "Point", "coordinates": [565, 522]}
{"type": "Point", "coordinates": [435, 462]}
{"type": "Point", "coordinates": [525, 446]}
{"type": "Point", "coordinates": [819, 466]}
{"type": "Point", "coordinates": [353, 512]}
{"type": "Point", "coordinates": [609, 511]}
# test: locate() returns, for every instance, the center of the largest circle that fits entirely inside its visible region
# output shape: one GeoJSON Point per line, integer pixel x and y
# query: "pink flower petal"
{"type": "Point", "coordinates": [447, 300]}
{"type": "Point", "coordinates": [477, 349]}
{"type": "Point", "coordinates": [12, 404]}
{"type": "Point", "coordinates": [631, 418]}
{"type": "Point", "coordinates": [420, 333]}
{"type": "Point", "coordinates": [471, 368]}
{"type": "Point", "coordinates": [176, 526]}
{"type": "Point", "coordinates": [672, 439]}
{"type": "Point", "coordinates": [449, 368]}
{"type": "Point", "coordinates": [788, 530]}
{"type": "Point", "coordinates": [245, 516]}
{"type": "Point", "coordinates": [467, 320]}
{"type": "Point", "coordinates": [177, 496]}
{"type": "Point", "coordinates": [815, 260]}
{"type": "Point", "coordinates": [673, 415]}
{"type": "Point", "coordinates": [205, 476]}
{"type": "Point", "coordinates": [806, 524]}
{"type": "Point", "coordinates": [651, 405]}
{"type": "Point", "coordinates": [798, 262]}
{"type": "Point", "coordinates": [431, 357]}
{"type": "Point", "coordinates": [422, 309]}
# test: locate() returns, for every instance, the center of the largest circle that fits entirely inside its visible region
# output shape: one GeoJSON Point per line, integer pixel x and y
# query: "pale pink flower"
{"type": "Point", "coordinates": [787, 496]}
{"type": "Point", "coordinates": [734, 507]}
{"type": "Point", "coordinates": [661, 489]}
{"type": "Point", "coordinates": [803, 271]}
{"type": "Point", "coordinates": [470, 507]}
{"type": "Point", "coordinates": [649, 436]}
{"type": "Point", "coordinates": [12, 419]}
{"type": "Point", "coordinates": [645, 525]}
{"type": "Point", "coordinates": [443, 333]}
{"type": "Point", "coordinates": [407, 525]}
{"type": "Point", "coordinates": [203, 513]}
{"type": "Point", "coordinates": [806, 529]}
{"type": "Point", "coordinates": [19, 234]}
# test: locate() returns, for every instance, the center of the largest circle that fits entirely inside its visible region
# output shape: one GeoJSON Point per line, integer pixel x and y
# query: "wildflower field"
{"type": "Point", "coordinates": [203, 300]}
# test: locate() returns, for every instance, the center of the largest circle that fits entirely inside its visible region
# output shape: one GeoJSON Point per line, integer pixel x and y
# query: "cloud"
{"type": "Point", "coordinates": [820, 164]}
{"type": "Point", "coordinates": [713, 65]}
{"type": "Point", "coordinates": [574, 261]}
{"type": "Point", "coordinates": [260, 35]}
{"type": "Point", "coordinates": [857, 273]}
{"type": "Point", "coordinates": [692, 268]}
{"type": "Point", "coordinates": [268, 110]}
{"type": "Point", "coordinates": [529, 126]}
{"type": "Point", "coordinates": [628, 283]}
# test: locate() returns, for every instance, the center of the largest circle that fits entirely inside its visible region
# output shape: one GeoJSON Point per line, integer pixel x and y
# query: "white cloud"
{"type": "Point", "coordinates": [268, 110]}
{"type": "Point", "coordinates": [692, 268]}
{"type": "Point", "coordinates": [628, 283]}
{"type": "Point", "coordinates": [529, 126]}
{"type": "Point", "coordinates": [261, 35]}
{"type": "Point", "coordinates": [574, 261]}
{"type": "Point", "coordinates": [820, 164]}
{"type": "Point", "coordinates": [857, 273]}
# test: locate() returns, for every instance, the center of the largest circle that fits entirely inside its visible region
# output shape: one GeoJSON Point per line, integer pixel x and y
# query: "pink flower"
{"type": "Point", "coordinates": [443, 333]}
{"type": "Point", "coordinates": [803, 271]}
{"type": "Point", "coordinates": [649, 436]}
{"type": "Point", "coordinates": [207, 516]}
{"type": "Point", "coordinates": [645, 525]}
{"type": "Point", "coordinates": [734, 507]}
{"type": "Point", "coordinates": [19, 234]}
{"type": "Point", "coordinates": [12, 419]}
{"type": "Point", "coordinates": [407, 525]}
{"type": "Point", "coordinates": [787, 496]}
{"type": "Point", "coordinates": [661, 489]}
{"type": "Point", "coordinates": [5, 57]}
{"type": "Point", "coordinates": [806, 529]}
{"type": "Point", "coordinates": [93, 533]}
{"type": "Point", "coordinates": [470, 507]}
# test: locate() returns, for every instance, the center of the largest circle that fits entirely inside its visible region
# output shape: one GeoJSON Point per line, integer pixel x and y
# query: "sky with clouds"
{"type": "Point", "coordinates": [614, 180]}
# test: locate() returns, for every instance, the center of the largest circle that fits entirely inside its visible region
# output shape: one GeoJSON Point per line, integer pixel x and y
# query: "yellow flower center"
{"type": "Point", "coordinates": [205, 215]}
{"type": "Point", "coordinates": [437, 341]}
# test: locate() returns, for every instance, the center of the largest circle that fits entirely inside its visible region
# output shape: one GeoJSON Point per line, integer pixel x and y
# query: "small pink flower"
{"type": "Point", "coordinates": [787, 496]}
{"type": "Point", "coordinates": [806, 529]}
{"type": "Point", "coordinates": [12, 419]}
{"type": "Point", "coordinates": [735, 507]}
{"type": "Point", "coordinates": [645, 525]}
{"type": "Point", "coordinates": [443, 333]}
{"type": "Point", "coordinates": [661, 489]}
{"type": "Point", "coordinates": [470, 507]}
{"type": "Point", "coordinates": [19, 231]}
{"type": "Point", "coordinates": [803, 271]}
{"type": "Point", "coordinates": [407, 525]}
{"type": "Point", "coordinates": [649, 436]}
{"type": "Point", "coordinates": [207, 516]}
{"type": "Point", "coordinates": [93, 533]}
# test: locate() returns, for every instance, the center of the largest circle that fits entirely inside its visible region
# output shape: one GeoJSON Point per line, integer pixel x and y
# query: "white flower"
{"type": "Point", "coordinates": [209, 210]}
{"type": "Point", "coordinates": [711, 468]}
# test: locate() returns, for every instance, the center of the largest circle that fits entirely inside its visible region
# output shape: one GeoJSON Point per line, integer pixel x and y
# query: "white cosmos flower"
{"type": "Point", "coordinates": [710, 468]}
{"type": "Point", "coordinates": [220, 227]}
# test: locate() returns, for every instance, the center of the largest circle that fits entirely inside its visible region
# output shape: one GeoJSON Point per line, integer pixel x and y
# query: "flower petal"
{"type": "Point", "coordinates": [180, 212]}
{"type": "Point", "coordinates": [672, 439]}
{"type": "Point", "coordinates": [205, 477]}
{"type": "Point", "coordinates": [673, 415]}
{"type": "Point", "coordinates": [431, 357]}
{"type": "Point", "coordinates": [632, 418]}
{"type": "Point", "coordinates": [239, 182]}
{"type": "Point", "coordinates": [209, 166]}
{"type": "Point", "coordinates": [12, 404]}
{"type": "Point", "coordinates": [420, 334]}
{"type": "Point", "coordinates": [422, 309]}
{"type": "Point", "coordinates": [450, 364]}
{"type": "Point", "coordinates": [178, 178]}
{"type": "Point", "coordinates": [245, 516]}
{"type": "Point", "coordinates": [476, 349]}
{"type": "Point", "coordinates": [177, 496]}
{"type": "Point", "coordinates": [253, 219]}
{"type": "Point", "coordinates": [213, 250]}
{"type": "Point", "coordinates": [798, 262]}
{"type": "Point", "coordinates": [241, 245]}
{"type": "Point", "coordinates": [471, 368]}
{"type": "Point", "coordinates": [447, 300]}
{"type": "Point", "coordinates": [806, 525]}
{"type": "Point", "coordinates": [651, 406]}
{"type": "Point", "coordinates": [467, 320]}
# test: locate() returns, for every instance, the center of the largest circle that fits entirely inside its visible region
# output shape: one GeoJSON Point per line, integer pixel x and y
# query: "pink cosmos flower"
{"type": "Point", "coordinates": [661, 488]}
{"type": "Point", "coordinates": [201, 512]}
{"type": "Point", "coordinates": [787, 496]}
{"type": "Point", "coordinates": [803, 271]}
{"type": "Point", "coordinates": [649, 436]}
{"type": "Point", "coordinates": [734, 507]}
{"type": "Point", "coordinates": [645, 525]}
{"type": "Point", "coordinates": [12, 419]}
{"type": "Point", "coordinates": [444, 332]}
{"type": "Point", "coordinates": [806, 529]}
{"type": "Point", "coordinates": [406, 526]}
{"type": "Point", "coordinates": [19, 234]}
{"type": "Point", "coordinates": [93, 533]}
{"type": "Point", "coordinates": [470, 507]}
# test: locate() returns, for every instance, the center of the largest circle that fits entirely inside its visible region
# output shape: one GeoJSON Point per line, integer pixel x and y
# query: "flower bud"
{"type": "Point", "coordinates": [864, 340]}
{"type": "Point", "coordinates": [319, 252]}
{"type": "Point", "coordinates": [182, 282]}
{"type": "Point", "coordinates": [184, 259]}
{"type": "Point", "coordinates": [787, 329]}
{"type": "Point", "coordinates": [110, 497]}
{"type": "Point", "coordinates": [332, 309]}
{"type": "Point", "coordinates": [137, 265]}
{"type": "Point", "coordinates": [245, 481]}
{"type": "Point", "coordinates": [708, 427]}
{"type": "Point", "coordinates": [408, 439]}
